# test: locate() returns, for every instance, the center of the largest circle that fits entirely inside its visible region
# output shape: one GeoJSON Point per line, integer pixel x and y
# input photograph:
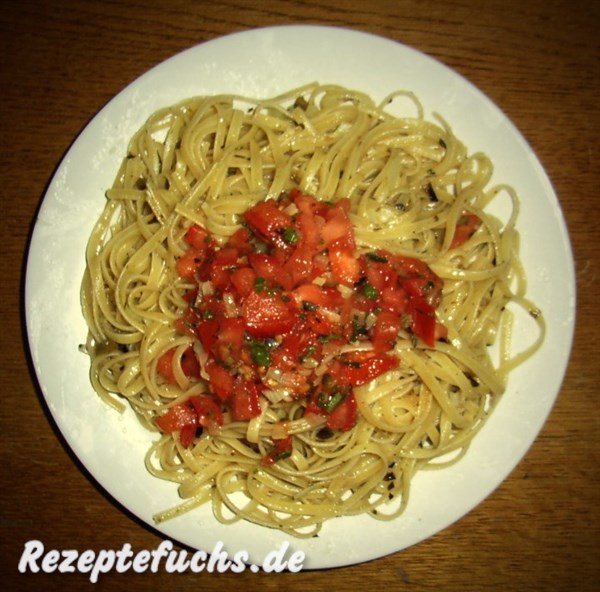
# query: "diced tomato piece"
{"type": "Point", "coordinates": [308, 204]}
{"type": "Point", "coordinates": [267, 315]}
{"type": "Point", "coordinates": [271, 270]}
{"type": "Point", "coordinates": [198, 237]}
{"type": "Point", "coordinates": [310, 227]}
{"type": "Point", "coordinates": [325, 296]}
{"type": "Point", "coordinates": [385, 331]}
{"type": "Point", "coordinates": [164, 365]}
{"type": "Point", "coordinates": [344, 416]}
{"type": "Point", "coordinates": [243, 280]}
{"type": "Point", "coordinates": [299, 266]}
{"type": "Point", "coordinates": [267, 220]}
{"type": "Point", "coordinates": [188, 322]}
{"type": "Point", "coordinates": [240, 240]}
{"type": "Point", "coordinates": [190, 364]}
{"type": "Point", "coordinates": [345, 268]}
{"type": "Point", "coordinates": [394, 299]}
{"type": "Point", "coordinates": [221, 380]}
{"type": "Point", "coordinates": [208, 332]}
{"type": "Point", "coordinates": [320, 323]}
{"type": "Point", "coordinates": [282, 449]}
{"type": "Point", "coordinates": [245, 403]}
{"type": "Point", "coordinates": [338, 228]}
{"type": "Point", "coordinates": [379, 275]}
{"type": "Point", "coordinates": [423, 321]}
{"type": "Point", "coordinates": [220, 277]}
{"type": "Point", "coordinates": [296, 343]}
{"type": "Point", "coordinates": [187, 434]}
{"type": "Point", "coordinates": [208, 411]}
{"type": "Point", "coordinates": [465, 228]}
{"type": "Point", "coordinates": [226, 256]}
{"type": "Point", "coordinates": [177, 417]}
{"type": "Point", "coordinates": [358, 368]}
{"type": "Point", "coordinates": [230, 339]}
{"type": "Point", "coordinates": [187, 265]}
{"type": "Point", "coordinates": [417, 287]}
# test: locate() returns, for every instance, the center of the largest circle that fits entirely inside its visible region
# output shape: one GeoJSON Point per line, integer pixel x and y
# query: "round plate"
{"type": "Point", "coordinates": [262, 63]}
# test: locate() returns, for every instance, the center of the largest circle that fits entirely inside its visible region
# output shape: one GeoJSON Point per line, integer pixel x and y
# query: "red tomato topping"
{"type": "Point", "coordinates": [289, 290]}
{"type": "Point", "coordinates": [361, 367]}
{"type": "Point", "coordinates": [344, 416]}
{"type": "Point", "coordinates": [465, 228]}
{"type": "Point", "coordinates": [282, 449]}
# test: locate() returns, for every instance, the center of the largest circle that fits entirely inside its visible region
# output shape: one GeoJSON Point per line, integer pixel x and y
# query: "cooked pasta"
{"type": "Point", "coordinates": [411, 190]}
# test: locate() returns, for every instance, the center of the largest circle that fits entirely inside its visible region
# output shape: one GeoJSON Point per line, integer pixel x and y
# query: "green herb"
{"type": "Point", "coordinates": [377, 258]}
{"type": "Point", "coordinates": [370, 291]}
{"type": "Point", "coordinates": [259, 284]}
{"type": "Point", "coordinates": [208, 315]}
{"type": "Point", "coordinates": [260, 353]}
{"type": "Point", "coordinates": [290, 235]}
{"type": "Point", "coordinates": [310, 306]}
{"type": "Point", "coordinates": [307, 353]}
{"type": "Point", "coordinates": [328, 338]}
{"type": "Point", "coordinates": [329, 401]}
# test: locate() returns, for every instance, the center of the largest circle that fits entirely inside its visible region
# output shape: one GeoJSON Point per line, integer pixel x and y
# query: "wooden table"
{"type": "Point", "coordinates": [538, 60]}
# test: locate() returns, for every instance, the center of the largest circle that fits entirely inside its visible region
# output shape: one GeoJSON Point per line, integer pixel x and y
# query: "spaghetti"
{"type": "Point", "coordinates": [410, 192]}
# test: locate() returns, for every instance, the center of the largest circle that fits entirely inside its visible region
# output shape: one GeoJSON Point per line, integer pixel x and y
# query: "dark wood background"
{"type": "Point", "coordinates": [62, 61]}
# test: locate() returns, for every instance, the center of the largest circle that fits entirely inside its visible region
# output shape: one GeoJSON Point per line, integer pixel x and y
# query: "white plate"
{"type": "Point", "coordinates": [264, 62]}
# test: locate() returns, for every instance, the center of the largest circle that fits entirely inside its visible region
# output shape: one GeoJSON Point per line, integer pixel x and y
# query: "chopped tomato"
{"type": "Point", "coordinates": [269, 269]}
{"type": "Point", "coordinates": [190, 364]}
{"type": "Point", "coordinates": [267, 315]}
{"type": "Point", "coordinates": [360, 367]}
{"type": "Point", "coordinates": [344, 416]}
{"type": "Point", "coordinates": [188, 323]}
{"type": "Point", "coordinates": [231, 334]}
{"type": "Point", "coordinates": [188, 264]}
{"type": "Point", "coordinates": [269, 221]}
{"type": "Point", "coordinates": [243, 280]}
{"type": "Point", "coordinates": [246, 401]}
{"type": "Point", "coordinates": [177, 417]}
{"type": "Point", "coordinates": [338, 228]}
{"type": "Point", "coordinates": [208, 332]}
{"type": "Point", "coordinates": [299, 267]}
{"type": "Point", "coordinates": [198, 237]}
{"type": "Point", "coordinates": [385, 331]}
{"type": "Point", "coordinates": [287, 292]}
{"type": "Point", "coordinates": [181, 418]}
{"type": "Point", "coordinates": [345, 268]}
{"type": "Point", "coordinates": [187, 434]}
{"type": "Point", "coordinates": [282, 449]}
{"type": "Point", "coordinates": [240, 240]}
{"type": "Point", "coordinates": [465, 228]}
{"type": "Point", "coordinates": [221, 380]}
{"type": "Point", "coordinates": [164, 365]}
{"type": "Point", "coordinates": [423, 322]}
{"type": "Point", "coordinates": [209, 414]}
{"type": "Point", "coordinates": [325, 296]}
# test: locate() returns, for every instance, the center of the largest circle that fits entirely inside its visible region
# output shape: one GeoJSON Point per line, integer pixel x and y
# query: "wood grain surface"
{"type": "Point", "coordinates": [61, 61]}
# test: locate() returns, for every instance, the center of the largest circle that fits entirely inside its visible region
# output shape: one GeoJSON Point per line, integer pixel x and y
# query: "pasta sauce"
{"type": "Point", "coordinates": [285, 306]}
